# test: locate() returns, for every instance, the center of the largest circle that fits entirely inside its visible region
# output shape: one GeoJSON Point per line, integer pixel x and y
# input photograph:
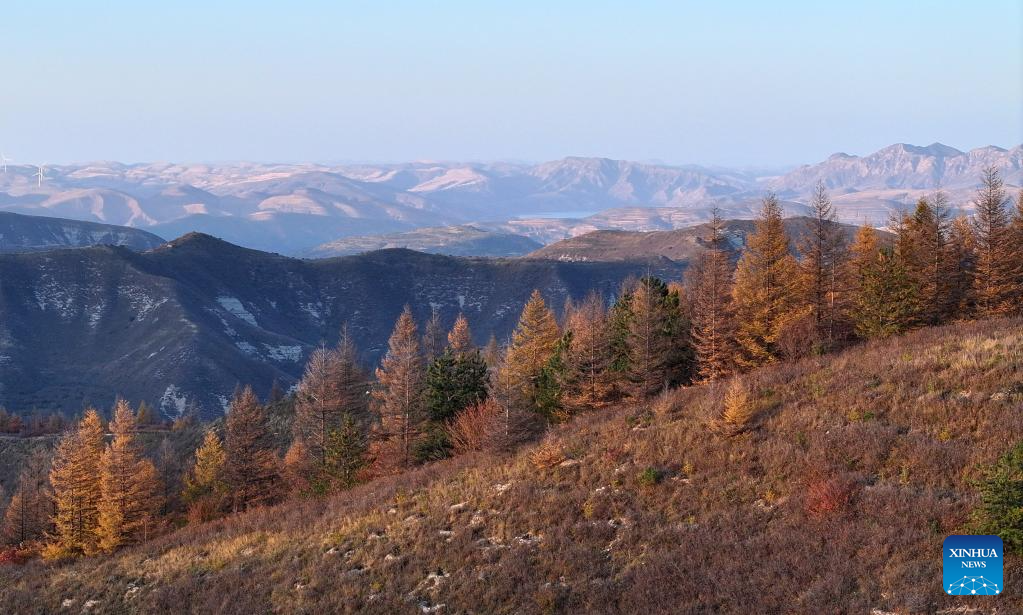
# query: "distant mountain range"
{"type": "Point", "coordinates": [464, 240]}
{"type": "Point", "coordinates": [292, 209]}
{"type": "Point", "coordinates": [185, 323]}
{"type": "Point", "coordinates": [20, 233]}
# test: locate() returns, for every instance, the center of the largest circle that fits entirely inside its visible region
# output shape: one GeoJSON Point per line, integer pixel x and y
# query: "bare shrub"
{"type": "Point", "coordinates": [828, 496]}
{"type": "Point", "coordinates": [477, 428]}
{"type": "Point", "coordinates": [548, 453]}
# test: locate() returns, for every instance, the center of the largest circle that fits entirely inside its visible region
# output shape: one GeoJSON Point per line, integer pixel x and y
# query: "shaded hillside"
{"type": "Point", "coordinates": [20, 233]}
{"type": "Point", "coordinates": [679, 245]}
{"type": "Point", "coordinates": [182, 325]}
{"type": "Point", "coordinates": [465, 240]}
{"type": "Point", "coordinates": [837, 498]}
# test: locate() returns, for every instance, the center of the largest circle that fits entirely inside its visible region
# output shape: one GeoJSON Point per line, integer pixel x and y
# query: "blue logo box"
{"type": "Point", "coordinates": [972, 565]}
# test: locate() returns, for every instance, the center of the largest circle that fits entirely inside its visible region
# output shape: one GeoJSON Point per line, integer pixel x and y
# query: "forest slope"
{"type": "Point", "coordinates": [836, 499]}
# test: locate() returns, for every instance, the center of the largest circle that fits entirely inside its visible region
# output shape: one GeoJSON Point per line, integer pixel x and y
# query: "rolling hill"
{"type": "Point", "coordinates": [180, 326]}
{"type": "Point", "coordinates": [835, 500]}
{"type": "Point", "coordinates": [680, 245]}
{"type": "Point", "coordinates": [20, 233]}
{"type": "Point", "coordinates": [464, 240]}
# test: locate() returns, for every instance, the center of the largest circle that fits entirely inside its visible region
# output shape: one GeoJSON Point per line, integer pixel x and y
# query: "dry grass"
{"type": "Point", "coordinates": [838, 501]}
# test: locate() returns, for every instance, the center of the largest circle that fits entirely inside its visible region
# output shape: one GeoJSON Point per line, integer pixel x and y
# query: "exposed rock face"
{"type": "Point", "coordinates": [182, 325]}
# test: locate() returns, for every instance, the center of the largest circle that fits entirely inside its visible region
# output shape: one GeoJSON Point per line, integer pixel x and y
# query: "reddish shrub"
{"type": "Point", "coordinates": [476, 428]}
{"type": "Point", "coordinates": [829, 496]}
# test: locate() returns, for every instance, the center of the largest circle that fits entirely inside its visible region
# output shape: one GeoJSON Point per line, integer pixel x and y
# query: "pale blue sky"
{"type": "Point", "coordinates": [735, 83]}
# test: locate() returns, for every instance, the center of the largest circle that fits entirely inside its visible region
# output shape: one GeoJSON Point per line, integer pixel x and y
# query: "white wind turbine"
{"type": "Point", "coordinates": [40, 174]}
{"type": "Point", "coordinates": [4, 160]}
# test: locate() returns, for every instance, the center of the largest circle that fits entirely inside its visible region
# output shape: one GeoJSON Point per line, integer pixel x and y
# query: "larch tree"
{"type": "Point", "coordinates": [821, 258]}
{"type": "Point", "coordinates": [492, 354]}
{"type": "Point", "coordinates": [993, 276]}
{"type": "Point", "coordinates": [929, 264]}
{"type": "Point", "coordinates": [962, 264]}
{"type": "Point", "coordinates": [28, 514]}
{"type": "Point", "coordinates": [764, 293]}
{"type": "Point", "coordinates": [206, 478]}
{"type": "Point", "coordinates": [1016, 252]}
{"type": "Point", "coordinates": [398, 398]}
{"type": "Point", "coordinates": [129, 486]}
{"type": "Point", "coordinates": [75, 478]}
{"type": "Point", "coordinates": [460, 336]}
{"type": "Point", "coordinates": [433, 338]}
{"type": "Point", "coordinates": [649, 340]}
{"type": "Point", "coordinates": [588, 377]}
{"type": "Point", "coordinates": [250, 460]}
{"type": "Point", "coordinates": [709, 286]}
{"type": "Point", "coordinates": [206, 492]}
{"type": "Point", "coordinates": [532, 346]}
{"type": "Point", "coordinates": [334, 386]}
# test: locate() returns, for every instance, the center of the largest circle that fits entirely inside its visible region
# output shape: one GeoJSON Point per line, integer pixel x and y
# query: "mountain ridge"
{"type": "Point", "coordinates": [292, 208]}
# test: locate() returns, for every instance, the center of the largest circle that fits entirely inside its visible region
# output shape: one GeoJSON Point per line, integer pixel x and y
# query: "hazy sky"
{"type": "Point", "coordinates": [736, 83]}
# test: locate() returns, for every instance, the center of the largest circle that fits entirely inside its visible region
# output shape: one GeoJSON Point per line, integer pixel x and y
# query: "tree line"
{"type": "Point", "coordinates": [436, 394]}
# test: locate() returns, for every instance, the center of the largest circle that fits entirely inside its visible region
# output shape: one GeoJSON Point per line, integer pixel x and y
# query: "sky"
{"type": "Point", "coordinates": [763, 84]}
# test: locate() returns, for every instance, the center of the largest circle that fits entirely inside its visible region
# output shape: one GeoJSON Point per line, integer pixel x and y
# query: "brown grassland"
{"type": "Point", "coordinates": [833, 497]}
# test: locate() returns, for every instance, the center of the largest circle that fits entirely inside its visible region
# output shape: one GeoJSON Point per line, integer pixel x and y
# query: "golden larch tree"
{"type": "Point", "coordinates": [129, 486]}
{"type": "Point", "coordinates": [398, 398]}
{"type": "Point", "coordinates": [709, 288]}
{"type": "Point", "coordinates": [588, 376]}
{"type": "Point", "coordinates": [460, 336]}
{"type": "Point", "coordinates": [532, 345]}
{"type": "Point", "coordinates": [250, 465]}
{"type": "Point", "coordinates": [75, 478]}
{"type": "Point", "coordinates": [764, 294]}
{"type": "Point", "coordinates": [993, 279]}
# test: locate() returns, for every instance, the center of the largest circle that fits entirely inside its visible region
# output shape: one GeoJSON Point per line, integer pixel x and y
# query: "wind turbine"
{"type": "Point", "coordinates": [4, 160]}
{"type": "Point", "coordinates": [40, 174]}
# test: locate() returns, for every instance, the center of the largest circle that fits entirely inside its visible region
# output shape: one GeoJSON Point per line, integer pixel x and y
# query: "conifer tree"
{"type": "Point", "coordinates": [433, 338]}
{"type": "Point", "coordinates": [709, 286]}
{"type": "Point", "coordinates": [460, 336]}
{"type": "Point", "coordinates": [334, 385]}
{"type": "Point", "coordinates": [863, 254]}
{"type": "Point", "coordinates": [764, 292]}
{"type": "Point", "coordinates": [962, 260]}
{"type": "Point", "coordinates": [75, 478]}
{"type": "Point", "coordinates": [994, 276]}
{"type": "Point", "coordinates": [649, 341]}
{"type": "Point", "coordinates": [887, 301]}
{"type": "Point", "coordinates": [300, 474]}
{"type": "Point", "coordinates": [27, 517]}
{"type": "Point", "coordinates": [588, 377]}
{"type": "Point", "coordinates": [250, 464]}
{"type": "Point", "coordinates": [1016, 253]}
{"type": "Point", "coordinates": [399, 396]}
{"type": "Point", "coordinates": [346, 453]}
{"type": "Point", "coordinates": [129, 486]}
{"type": "Point", "coordinates": [206, 479]}
{"type": "Point", "coordinates": [453, 382]}
{"type": "Point", "coordinates": [492, 354]}
{"type": "Point", "coordinates": [822, 253]}
{"type": "Point", "coordinates": [928, 259]}
{"type": "Point", "coordinates": [533, 343]}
